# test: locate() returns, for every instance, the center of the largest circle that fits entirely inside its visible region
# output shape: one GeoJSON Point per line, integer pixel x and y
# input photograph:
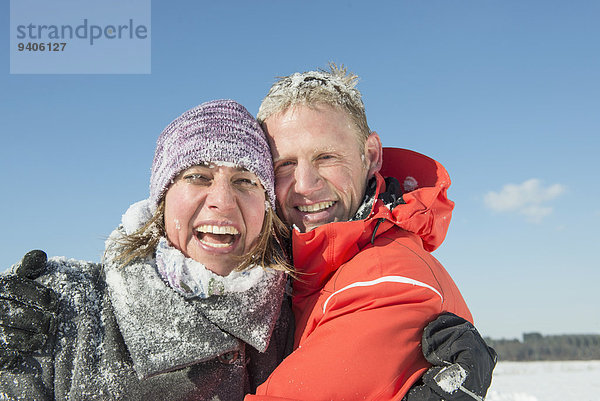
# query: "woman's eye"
{"type": "Point", "coordinates": [196, 178]}
{"type": "Point", "coordinates": [246, 182]}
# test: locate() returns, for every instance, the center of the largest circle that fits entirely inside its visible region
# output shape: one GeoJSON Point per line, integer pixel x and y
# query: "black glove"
{"type": "Point", "coordinates": [462, 362]}
{"type": "Point", "coordinates": [27, 309]}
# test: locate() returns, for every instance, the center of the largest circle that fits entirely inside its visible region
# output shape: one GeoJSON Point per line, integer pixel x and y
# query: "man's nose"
{"type": "Point", "coordinates": [308, 179]}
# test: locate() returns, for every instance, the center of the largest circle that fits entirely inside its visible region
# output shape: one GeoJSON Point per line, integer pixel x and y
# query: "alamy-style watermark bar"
{"type": "Point", "coordinates": [80, 37]}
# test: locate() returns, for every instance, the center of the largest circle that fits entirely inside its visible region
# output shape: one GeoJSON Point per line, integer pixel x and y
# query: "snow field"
{"type": "Point", "coordinates": [546, 381]}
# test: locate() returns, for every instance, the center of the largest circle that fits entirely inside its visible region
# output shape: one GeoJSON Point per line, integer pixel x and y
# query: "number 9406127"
{"type": "Point", "coordinates": [42, 47]}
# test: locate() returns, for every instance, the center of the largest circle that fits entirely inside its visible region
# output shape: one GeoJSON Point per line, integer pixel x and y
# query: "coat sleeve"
{"type": "Point", "coordinates": [365, 345]}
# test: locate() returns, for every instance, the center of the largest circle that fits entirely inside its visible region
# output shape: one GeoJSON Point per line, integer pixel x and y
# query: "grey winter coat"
{"type": "Point", "coordinates": [123, 334]}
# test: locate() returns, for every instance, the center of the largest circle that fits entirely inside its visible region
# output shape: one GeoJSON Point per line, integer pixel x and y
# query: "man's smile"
{"type": "Point", "coordinates": [315, 207]}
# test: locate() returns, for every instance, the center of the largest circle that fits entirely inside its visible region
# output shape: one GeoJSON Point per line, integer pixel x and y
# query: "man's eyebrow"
{"type": "Point", "coordinates": [279, 157]}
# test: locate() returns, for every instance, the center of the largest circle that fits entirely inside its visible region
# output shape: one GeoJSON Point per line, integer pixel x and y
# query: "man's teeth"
{"type": "Point", "coordinates": [316, 207]}
{"type": "Point", "coordinates": [210, 229]}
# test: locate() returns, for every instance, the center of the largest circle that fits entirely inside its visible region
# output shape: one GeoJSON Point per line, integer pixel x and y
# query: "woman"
{"type": "Point", "coordinates": [187, 303]}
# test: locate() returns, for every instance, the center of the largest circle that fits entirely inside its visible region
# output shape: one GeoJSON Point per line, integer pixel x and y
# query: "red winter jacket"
{"type": "Point", "coordinates": [367, 289]}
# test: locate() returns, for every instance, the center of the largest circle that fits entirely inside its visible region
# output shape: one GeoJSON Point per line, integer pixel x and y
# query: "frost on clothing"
{"type": "Point", "coordinates": [137, 215]}
{"type": "Point", "coordinates": [369, 286]}
{"type": "Point", "coordinates": [144, 304]}
{"type": "Point", "coordinates": [124, 334]}
{"type": "Point", "coordinates": [192, 279]}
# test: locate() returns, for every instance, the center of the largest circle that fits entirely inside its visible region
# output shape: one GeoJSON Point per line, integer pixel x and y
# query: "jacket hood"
{"type": "Point", "coordinates": [427, 209]}
{"type": "Point", "coordinates": [422, 208]}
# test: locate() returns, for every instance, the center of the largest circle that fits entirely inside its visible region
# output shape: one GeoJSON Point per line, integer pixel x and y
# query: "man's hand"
{"type": "Point", "coordinates": [27, 309]}
{"type": "Point", "coordinates": [462, 362]}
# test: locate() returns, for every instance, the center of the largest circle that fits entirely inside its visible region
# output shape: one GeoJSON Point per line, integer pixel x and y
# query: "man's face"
{"type": "Point", "coordinates": [321, 171]}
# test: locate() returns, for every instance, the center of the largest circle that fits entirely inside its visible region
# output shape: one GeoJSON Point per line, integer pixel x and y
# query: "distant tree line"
{"type": "Point", "coordinates": [536, 347]}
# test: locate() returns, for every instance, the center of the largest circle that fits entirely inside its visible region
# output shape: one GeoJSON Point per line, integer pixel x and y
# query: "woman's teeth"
{"type": "Point", "coordinates": [316, 207]}
{"type": "Point", "coordinates": [210, 229]}
{"type": "Point", "coordinates": [216, 236]}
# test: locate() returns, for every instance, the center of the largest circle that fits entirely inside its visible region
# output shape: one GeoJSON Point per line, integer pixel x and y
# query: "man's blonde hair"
{"type": "Point", "coordinates": [335, 88]}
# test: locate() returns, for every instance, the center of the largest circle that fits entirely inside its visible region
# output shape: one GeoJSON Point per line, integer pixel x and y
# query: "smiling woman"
{"type": "Point", "coordinates": [192, 283]}
{"type": "Point", "coordinates": [214, 214]}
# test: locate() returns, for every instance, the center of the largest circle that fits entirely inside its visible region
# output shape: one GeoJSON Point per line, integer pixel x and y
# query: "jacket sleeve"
{"type": "Point", "coordinates": [365, 345]}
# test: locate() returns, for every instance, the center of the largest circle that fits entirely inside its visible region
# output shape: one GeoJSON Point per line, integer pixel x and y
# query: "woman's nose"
{"type": "Point", "coordinates": [221, 195]}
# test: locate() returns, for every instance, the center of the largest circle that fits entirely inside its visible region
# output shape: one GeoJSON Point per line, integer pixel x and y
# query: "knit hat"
{"type": "Point", "coordinates": [219, 131]}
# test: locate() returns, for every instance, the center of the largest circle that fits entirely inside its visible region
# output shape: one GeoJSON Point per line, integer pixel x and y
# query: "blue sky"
{"type": "Point", "coordinates": [505, 94]}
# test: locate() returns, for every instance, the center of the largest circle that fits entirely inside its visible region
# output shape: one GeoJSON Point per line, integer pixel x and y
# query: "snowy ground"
{"type": "Point", "coordinates": [546, 381]}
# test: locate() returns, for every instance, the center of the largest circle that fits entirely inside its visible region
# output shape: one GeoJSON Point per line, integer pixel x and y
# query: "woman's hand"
{"type": "Point", "coordinates": [27, 310]}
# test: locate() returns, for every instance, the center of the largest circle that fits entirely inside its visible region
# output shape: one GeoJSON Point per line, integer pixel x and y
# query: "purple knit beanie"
{"type": "Point", "coordinates": [220, 131]}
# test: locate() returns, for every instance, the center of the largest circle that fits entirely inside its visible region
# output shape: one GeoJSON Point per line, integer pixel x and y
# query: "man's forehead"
{"type": "Point", "coordinates": [310, 140]}
{"type": "Point", "coordinates": [308, 116]}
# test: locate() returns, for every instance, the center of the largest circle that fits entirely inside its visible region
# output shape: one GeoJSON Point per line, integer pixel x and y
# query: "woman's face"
{"type": "Point", "coordinates": [214, 213]}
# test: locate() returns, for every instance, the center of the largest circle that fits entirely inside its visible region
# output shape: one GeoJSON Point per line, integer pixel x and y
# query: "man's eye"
{"type": "Point", "coordinates": [284, 167]}
{"type": "Point", "coordinates": [284, 164]}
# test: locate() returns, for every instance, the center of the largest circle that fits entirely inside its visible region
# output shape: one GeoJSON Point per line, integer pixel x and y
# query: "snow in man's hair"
{"type": "Point", "coordinates": [335, 88]}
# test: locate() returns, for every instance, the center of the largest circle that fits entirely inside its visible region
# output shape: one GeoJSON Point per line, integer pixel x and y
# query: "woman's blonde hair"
{"type": "Point", "coordinates": [269, 250]}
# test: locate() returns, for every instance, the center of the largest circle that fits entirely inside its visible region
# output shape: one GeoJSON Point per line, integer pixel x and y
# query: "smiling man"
{"type": "Point", "coordinates": [321, 172]}
{"type": "Point", "coordinates": [368, 284]}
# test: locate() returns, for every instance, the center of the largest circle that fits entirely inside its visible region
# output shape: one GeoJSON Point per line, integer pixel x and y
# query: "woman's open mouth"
{"type": "Point", "coordinates": [216, 236]}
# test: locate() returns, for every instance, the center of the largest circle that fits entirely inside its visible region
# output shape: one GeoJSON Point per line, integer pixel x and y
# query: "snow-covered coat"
{"type": "Point", "coordinates": [367, 288]}
{"type": "Point", "coordinates": [124, 334]}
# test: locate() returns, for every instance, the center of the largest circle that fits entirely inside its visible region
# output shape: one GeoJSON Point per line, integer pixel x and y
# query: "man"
{"type": "Point", "coordinates": [367, 283]}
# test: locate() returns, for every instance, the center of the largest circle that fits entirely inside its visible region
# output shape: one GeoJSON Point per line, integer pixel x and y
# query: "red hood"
{"type": "Point", "coordinates": [427, 212]}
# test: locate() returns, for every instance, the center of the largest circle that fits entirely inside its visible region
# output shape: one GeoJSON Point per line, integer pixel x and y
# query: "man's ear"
{"type": "Point", "coordinates": [373, 153]}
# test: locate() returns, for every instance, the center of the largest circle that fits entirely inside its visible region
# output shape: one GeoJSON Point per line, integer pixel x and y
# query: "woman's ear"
{"type": "Point", "coordinates": [373, 153]}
